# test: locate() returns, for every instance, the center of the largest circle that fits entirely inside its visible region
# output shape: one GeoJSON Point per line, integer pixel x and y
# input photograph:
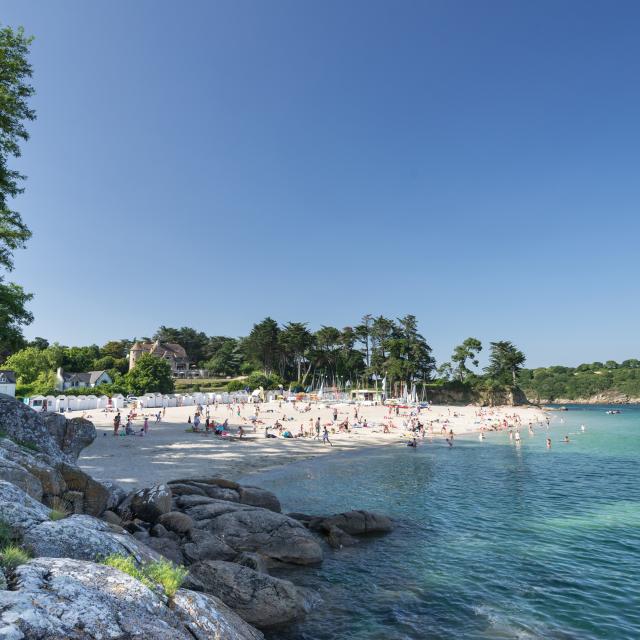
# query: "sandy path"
{"type": "Point", "coordinates": [170, 452]}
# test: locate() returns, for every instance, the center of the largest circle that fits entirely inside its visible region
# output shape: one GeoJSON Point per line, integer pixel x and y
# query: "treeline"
{"type": "Point", "coordinates": [374, 350]}
{"type": "Point", "coordinates": [582, 382]}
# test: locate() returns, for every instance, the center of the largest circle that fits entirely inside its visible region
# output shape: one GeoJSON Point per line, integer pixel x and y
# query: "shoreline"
{"type": "Point", "coordinates": [170, 451]}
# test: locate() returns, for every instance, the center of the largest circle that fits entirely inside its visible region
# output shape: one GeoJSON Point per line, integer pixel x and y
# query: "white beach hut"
{"type": "Point", "coordinates": [171, 400]}
{"type": "Point", "coordinates": [73, 403]}
{"type": "Point", "coordinates": [147, 401]}
{"type": "Point", "coordinates": [90, 402]}
{"type": "Point", "coordinates": [37, 402]}
{"type": "Point", "coordinates": [51, 403]}
{"type": "Point", "coordinates": [102, 402]}
{"type": "Point", "coordinates": [61, 403]}
{"type": "Point", "coordinates": [118, 401]}
{"type": "Point", "coordinates": [187, 400]}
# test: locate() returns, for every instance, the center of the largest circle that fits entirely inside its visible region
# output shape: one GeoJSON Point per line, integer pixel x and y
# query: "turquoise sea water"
{"type": "Point", "coordinates": [492, 540]}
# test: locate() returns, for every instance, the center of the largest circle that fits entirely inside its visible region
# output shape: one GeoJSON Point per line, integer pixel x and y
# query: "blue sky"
{"type": "Point", "coordinates": [210, 163]}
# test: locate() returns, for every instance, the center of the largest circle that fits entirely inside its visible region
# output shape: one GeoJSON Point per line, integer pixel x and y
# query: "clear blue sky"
{"type": "Point", "coordinates": [210, 163]}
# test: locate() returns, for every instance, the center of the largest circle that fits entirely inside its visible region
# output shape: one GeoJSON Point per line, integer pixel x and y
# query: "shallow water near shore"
{"type": "Point", "coordinates": [493, 540]}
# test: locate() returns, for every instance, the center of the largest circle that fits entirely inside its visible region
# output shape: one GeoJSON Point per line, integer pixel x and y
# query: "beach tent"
{"type": "Point", "coordinates": [61, 403]}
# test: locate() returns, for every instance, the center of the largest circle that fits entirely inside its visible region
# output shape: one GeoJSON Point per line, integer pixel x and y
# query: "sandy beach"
{"type": "Point", "coordinates": [170, 450]}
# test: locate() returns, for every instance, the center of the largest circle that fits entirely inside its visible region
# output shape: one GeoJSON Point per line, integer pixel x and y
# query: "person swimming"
{"type": "Point", "coordinates": [548, 443]}
{"type": "Point", "coordinates": [566, 439]}
{"type": "Point", "coordinates": [413, 443]}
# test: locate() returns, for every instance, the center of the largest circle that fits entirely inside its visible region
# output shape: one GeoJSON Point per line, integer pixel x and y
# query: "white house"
{"type": "Point", "coordinates": [92, 379]}
{"type": "Point", "coordinates": [8, 382]}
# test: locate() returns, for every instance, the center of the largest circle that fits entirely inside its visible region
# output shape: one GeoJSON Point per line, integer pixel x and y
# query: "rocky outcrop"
{"type": "Point", "coordinates": [19, 510]}
{"type": "Point", "coordinates": [177, 522]}
{"type": "Point", "coordinates": [23, 425]}
{"type": "Point", "coordinates": [202, 545]}
{"type": "Point", "coordinates": [147, 504]}
{"type": "Point", "coordinates": [258, 598]}
{"type": "Point", "coordinates": [71, 436]}
{"type": "Point", "coordinates": [246, 528]}
{"type": "Point", "coordinates": [221, 489]}
{"type": "Point", "coordinates": [341, 528]}
{"type": "Point", "coordinates": [82, 537]}
{"type": "Point", "coordinates": [357, 523]}
{"type": "Point", "coordinates": [56, 599]}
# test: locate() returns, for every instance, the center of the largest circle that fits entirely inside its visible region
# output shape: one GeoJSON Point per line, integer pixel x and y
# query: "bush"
{"type": "Point", "coordinates": [54, 515]}
{"type": "Point", "coordinates": [12, 556]}
{"type": "Point", "coordinates": [236, 385]}
{"type": "Point", "coordinates": [163, 573]}
{"type": "Point", "coordinates": [258, 379]}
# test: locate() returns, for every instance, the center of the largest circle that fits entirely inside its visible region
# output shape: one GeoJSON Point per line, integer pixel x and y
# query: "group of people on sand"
{"type": "Point", "coordinates": [129, 429]}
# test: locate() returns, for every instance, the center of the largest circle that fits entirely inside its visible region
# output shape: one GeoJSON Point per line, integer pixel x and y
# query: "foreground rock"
{"type": "Point", "coordinates": [83, 538]}
{"type": "Point", "coordinates": [71, 436]}
{"type": "Point", "coordinates": [245, 528]}
{"type": "Point", "coordinates": [19, 510]}
{"type": "Point", "coordinates": [21, 424]}
{"type": "Point", "coordinates": [61, 599]}
{"type": "Point", "coordinates": [258, 598]}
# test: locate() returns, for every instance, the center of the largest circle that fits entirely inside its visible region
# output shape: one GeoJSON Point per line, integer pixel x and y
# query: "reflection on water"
{"type": "Point", "coordinates": [493, 540]}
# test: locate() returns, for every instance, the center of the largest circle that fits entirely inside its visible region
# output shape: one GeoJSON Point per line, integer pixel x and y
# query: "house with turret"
{"type": "Point", "coordinates": [173, 353]}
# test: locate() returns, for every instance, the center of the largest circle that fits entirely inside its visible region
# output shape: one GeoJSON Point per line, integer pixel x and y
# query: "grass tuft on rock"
{"type": "Point", "coordinates": [153, 574]}
{"type": "Point", "coordinates": [55, 514]}
{"type": "Point", "coordinates": [167, 574]}
{"type": "Point", "coordinates": [12, 556]}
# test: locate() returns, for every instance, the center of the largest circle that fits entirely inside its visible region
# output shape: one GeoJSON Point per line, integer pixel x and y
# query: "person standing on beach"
{"type": "Point", "coordinates": [318, 429]}
{"type": "Point", "coordinates": [325, 436]}
{"type": "Point", "coordinates": [116, 424]}
{"type": "Point", "coordinates": [335, 414]}
{"type": "Point", "coordinates": [146, 425]}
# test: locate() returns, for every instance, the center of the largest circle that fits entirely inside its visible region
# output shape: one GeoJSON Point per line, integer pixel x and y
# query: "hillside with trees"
{"type": "Point", "coordinates": [605, 382]}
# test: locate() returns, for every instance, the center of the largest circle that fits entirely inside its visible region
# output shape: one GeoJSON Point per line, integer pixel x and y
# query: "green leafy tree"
{"type": "Point", "coordinates": [363, 336]}
{"type": "Point", "coordinates": [78, 359]}
{"type": "Point", "coordinates": [262, 345]}
{"type": "Point", "coordinates": [409, 354]}
{"type": "Point", "coordinates": [116, 349]}
{"type": "Point", "coordinates": [445, 371]}
{"type": "Point", "coordinates": [30, 362]}
{"type": "Point", "coordinates": [13, 316]}
{"type": "Point", "coordinates": [468, 350]}
{"type": "Point", "coordinates": [15, 91]}
{"type": "Point", "coordinates": [226, 359]}
{"type": "Point", "coordinates": [295, 341]}
{"type": "Point", "coordinates": [150, 375]}
{"type": "Point", "coordinates": [505, 361]}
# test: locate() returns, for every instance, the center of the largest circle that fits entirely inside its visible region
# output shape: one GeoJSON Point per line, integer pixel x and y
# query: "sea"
{"type": "Point", "coordinates": [491, 539]}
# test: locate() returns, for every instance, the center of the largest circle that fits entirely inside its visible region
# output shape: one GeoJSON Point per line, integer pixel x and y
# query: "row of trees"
{"type": "Point", "coordinates": [582, 382]}
{"type": "Point", "coordinates": [377, 348]}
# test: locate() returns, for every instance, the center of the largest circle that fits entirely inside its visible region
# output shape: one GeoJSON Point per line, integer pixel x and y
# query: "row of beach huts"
{"type": "Point", "coordinates": [64, 403]}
